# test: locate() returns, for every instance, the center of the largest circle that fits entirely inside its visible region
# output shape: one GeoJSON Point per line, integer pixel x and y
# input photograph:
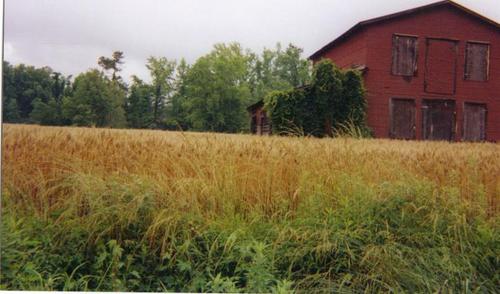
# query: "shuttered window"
{"type": "Point", "coordinates": [476, 61]}
{"type": "Point", "coordinates": [404, 55]}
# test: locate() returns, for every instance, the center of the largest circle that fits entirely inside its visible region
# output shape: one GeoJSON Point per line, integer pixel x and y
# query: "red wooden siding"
{"type": "Point", "coordinates": [350, 54]}
{"type": "Point", "coordinates": [442, 33]}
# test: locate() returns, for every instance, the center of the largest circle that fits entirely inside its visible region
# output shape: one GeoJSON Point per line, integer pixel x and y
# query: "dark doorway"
{"type": "Point", "coordinates": [474, 122]}
{"type": "Point", "coordinates": [440, 66]}
{"type": "Point", "coordinates": [438, 119]}
{"type": "Point", "coordinates": [253, 125]}
{"type": "Point", "coordinates": [402, 114]}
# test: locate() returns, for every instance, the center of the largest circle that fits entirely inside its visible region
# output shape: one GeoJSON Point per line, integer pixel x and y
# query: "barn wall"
{"type": "Point", "coordinates": [439, 22]}
{"type": "Point", "coordinates": [442, 22]}
{"type": "Point", "coordinates": [349, 53]}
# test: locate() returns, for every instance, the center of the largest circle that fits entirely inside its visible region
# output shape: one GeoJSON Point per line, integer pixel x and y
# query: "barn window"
{"type": "Point", "coordinates": [476, 61]}
{"type": "Point", "coordinates": [404, 55]}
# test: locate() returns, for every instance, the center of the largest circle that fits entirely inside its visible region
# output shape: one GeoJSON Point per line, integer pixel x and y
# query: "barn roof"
{"type": "Point", "coordinates": [256, 105]}
{"type": "Point", "coordinates": [365, 23]}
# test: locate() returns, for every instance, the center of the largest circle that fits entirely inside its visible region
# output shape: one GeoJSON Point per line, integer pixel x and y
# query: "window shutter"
{"type": "Point", "coordinates": [476, 61]}
{"type": "Point", "coordinates": [404, 55]}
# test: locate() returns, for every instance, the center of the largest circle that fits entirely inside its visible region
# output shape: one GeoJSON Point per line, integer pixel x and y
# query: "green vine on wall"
{"type": "Point", "coordinates": [332, 104]}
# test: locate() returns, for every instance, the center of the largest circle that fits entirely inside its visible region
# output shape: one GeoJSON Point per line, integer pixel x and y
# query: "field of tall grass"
{"type": "Point", "coordinates": [130, 210]}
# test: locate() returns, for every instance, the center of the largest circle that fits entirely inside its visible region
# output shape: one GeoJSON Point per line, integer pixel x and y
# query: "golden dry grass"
{"type": "Point", "coordinates": [205, 170]}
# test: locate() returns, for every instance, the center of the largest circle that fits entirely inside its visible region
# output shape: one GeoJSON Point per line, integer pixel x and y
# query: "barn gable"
{"type": "Point", "coordinates": [359, 27]}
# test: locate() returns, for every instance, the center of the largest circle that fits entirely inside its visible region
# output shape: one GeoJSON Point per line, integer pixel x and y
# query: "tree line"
{"type": "Point", "coordinates": [209, 95]}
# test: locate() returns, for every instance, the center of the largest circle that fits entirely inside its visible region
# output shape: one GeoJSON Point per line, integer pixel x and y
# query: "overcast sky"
{"type": "Point", "coordinates": [69, 35]}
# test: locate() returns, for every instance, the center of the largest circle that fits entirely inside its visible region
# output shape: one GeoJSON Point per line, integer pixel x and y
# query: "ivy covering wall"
{"type": "Point", "coordinates": [332, 104]}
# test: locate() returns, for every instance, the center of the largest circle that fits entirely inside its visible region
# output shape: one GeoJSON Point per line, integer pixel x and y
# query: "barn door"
{"type": "Point", "coordinates": [253, 124]}
{"type": "Point", "coordinates": [440, 66]}
{"type": "Point", "coordinates": [402, 113]}
{"type": "Point", "coordinates": [474, 122]}
{"type": "Point", "coordinates": [438, 119]}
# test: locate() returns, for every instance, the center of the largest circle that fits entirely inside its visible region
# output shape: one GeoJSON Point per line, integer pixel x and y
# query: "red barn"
{"type": "Point", "coordinates": [431, 73]}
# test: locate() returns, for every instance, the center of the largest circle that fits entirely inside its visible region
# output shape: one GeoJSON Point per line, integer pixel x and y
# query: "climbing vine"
{"type": "Point", "coordinates": [334, 100]}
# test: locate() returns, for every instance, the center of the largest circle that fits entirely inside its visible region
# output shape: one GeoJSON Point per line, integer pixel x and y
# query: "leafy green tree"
{"type": "Point", "coordinates": [262, 77]}
{"type": "Point", "coordinates": [117, 95]}
{"type": "Point", "coordinates": [10, 112]}
{"type": "Point", "coordinates": [177, 111]}
{"type": "Point", "coordinates": [112, 64]}
{"type": "Point", "coordinates": [50, 112]}
{"type": "Point", "coordinates": [61, 86]}
{"type": "Point", "coordinates": [162, 72]}
{"type": "Point", "coordinates": [24, 84]}
{"type": "Point", "coordinates": [89, 104]}
{"type": "Point", "coordinates": [218, 90]}
{"type": "Point", "coordinates": [290, 67]}
{"type": "Point", "coordinates": [139, 105]}
{"type": "Point", "coordinates": [117, 88]}
{"type": "Point", "coordinates": [277, 70]}
{"type": "Point", "coordinates": [46, 113]}
{"type": "Point", "coordinates": [96, 101]}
